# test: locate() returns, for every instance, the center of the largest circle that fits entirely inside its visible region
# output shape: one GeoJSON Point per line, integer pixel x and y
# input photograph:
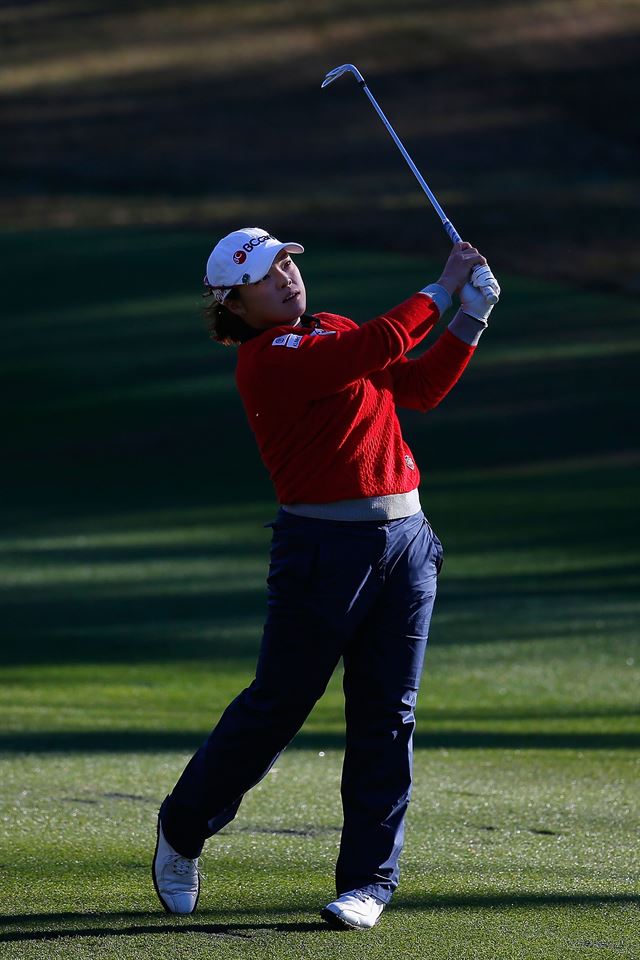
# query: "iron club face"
{"type": "Point", "coordinates": [338, 71]}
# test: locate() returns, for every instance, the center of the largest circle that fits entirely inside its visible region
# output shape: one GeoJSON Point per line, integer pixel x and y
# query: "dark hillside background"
{"type": "Point", "coordinates": [522, 116]}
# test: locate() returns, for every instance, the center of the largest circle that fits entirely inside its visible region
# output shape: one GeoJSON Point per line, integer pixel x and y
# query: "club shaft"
{"type": "Point", "coordinates": [450, 230]}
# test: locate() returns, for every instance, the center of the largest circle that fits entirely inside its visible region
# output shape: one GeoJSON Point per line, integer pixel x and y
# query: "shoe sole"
{"type": "Point", "coordinates": [337, 923]}
{"type": "Point", "coordinates": [155, 882]}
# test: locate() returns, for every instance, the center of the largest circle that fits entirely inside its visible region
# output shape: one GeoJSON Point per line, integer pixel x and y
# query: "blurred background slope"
{"type": "Point", "coordinates": [523, 117]}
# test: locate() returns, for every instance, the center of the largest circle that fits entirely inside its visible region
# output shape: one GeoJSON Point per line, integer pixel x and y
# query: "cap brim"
{"type": "Point", "coordinates": [279, 247]}
{"type": "Point", "coordinates": [289, 247]}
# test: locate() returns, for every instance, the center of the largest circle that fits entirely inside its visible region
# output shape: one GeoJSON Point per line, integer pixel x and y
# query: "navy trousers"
{"type": "Point", "coordinates": [362, 591]}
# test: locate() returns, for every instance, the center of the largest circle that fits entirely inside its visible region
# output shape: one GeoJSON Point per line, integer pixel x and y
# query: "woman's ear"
{"type": "Point", "coordinates": [235, 305]}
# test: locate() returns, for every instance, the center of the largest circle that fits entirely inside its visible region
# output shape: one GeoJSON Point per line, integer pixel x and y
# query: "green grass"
{"type": "Point", "coordinates": [132, 567]}
{"type": "Point", "coordinates": [500, 860]}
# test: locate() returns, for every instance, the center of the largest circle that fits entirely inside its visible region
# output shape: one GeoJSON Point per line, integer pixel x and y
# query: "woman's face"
{"type": "Point", "coordinates": [279, 298]}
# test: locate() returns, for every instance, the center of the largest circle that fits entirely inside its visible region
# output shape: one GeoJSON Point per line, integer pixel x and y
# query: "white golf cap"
{"type": "Point", "coordinates": [244, 256]}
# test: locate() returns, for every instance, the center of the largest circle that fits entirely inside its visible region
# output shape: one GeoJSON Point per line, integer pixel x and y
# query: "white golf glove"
{"type": "Point", "coordinates": [479, 297]}
{"type": "Point", "coordinates": [483, 278]}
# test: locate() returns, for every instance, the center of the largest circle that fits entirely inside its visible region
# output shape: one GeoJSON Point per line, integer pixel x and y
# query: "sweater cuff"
{"type": "Point", "coordinates": [467, 328]}
{"type": "Point", "coordinates": [439, 295]}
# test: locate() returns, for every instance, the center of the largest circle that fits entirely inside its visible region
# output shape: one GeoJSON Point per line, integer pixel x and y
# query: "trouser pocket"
{"type": "Point", "coordinates": [437, 549]}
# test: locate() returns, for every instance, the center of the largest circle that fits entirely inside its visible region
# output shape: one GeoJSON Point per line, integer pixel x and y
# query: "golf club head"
{"type": "Point", "coordinates": [338, 71]}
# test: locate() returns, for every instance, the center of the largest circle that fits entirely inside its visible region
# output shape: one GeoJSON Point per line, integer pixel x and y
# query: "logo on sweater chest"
{"type": "Point", "coordinates": [287, 340]}
{"type": "Point", "coordinates": [409, 462]}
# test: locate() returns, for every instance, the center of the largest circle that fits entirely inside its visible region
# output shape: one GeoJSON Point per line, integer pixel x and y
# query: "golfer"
{"type": "Point", "coordinates": [354, 561]}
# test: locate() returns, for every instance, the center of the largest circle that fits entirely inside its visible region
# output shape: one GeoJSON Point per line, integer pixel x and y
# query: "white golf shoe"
{"type": "Point", "coordinates": [353, 910]}
{"type": "Point", "coordinates": [175, 878]}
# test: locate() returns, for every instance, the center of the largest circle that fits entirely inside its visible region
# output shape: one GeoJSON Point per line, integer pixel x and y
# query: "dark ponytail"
{"type": "Point", "coordinates": [223, 325]}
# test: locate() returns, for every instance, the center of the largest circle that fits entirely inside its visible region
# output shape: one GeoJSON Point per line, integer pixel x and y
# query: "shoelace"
{"type": "Point", "coordinates": [361, 895]}
{"type": "Point", "coordinates": [183, 866]}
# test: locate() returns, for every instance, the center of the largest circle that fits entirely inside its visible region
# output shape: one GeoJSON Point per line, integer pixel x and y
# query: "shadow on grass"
{"type": "Point", "coordinates": [245, 930]}
{"type": "Point", "coordinates": [484, 901]}
{"type": "Point", "coordinates": [242, 931]}
{"type": "Point", "coordinates": [134, 741]}
{"type": "Point", "coordinates": [187, 617]}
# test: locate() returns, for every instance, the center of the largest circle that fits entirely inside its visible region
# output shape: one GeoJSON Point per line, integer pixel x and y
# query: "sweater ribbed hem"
{"type": "Point", "coordinates": [392, 506]}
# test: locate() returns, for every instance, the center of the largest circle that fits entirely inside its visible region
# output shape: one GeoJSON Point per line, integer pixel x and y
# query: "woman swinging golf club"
{"type": "Point", "coordinates": [354, 562]}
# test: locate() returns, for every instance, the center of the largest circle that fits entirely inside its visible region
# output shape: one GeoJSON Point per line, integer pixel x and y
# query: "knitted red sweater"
{"type": "Point", "coordinates": [322, 403]}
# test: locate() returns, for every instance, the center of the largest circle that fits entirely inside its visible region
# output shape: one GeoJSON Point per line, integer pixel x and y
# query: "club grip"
{"type": "Point", "coordinates": [451, 231]}
{"type": "Point", "coordinates": [489, 295]}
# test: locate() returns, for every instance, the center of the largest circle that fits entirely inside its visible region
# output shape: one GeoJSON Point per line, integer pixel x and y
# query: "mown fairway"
{"type": "Point", "coordinates": [133, 557]}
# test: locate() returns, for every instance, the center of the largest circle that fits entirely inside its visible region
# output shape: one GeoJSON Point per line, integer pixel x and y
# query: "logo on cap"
{"type": "Point", "coordinates": [409, 462]}
{"type": "Point", "coordinates": [239, 256]}
{"type": "Point", "coordinates": [256, 241]}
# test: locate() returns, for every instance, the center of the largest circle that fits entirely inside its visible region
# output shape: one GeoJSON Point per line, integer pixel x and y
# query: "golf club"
{"type": "Point", "coordinates": [450, 230]}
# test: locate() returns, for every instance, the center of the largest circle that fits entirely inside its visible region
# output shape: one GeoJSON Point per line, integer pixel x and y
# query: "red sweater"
{"type": "Point", "coordinates": [322, 403]}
